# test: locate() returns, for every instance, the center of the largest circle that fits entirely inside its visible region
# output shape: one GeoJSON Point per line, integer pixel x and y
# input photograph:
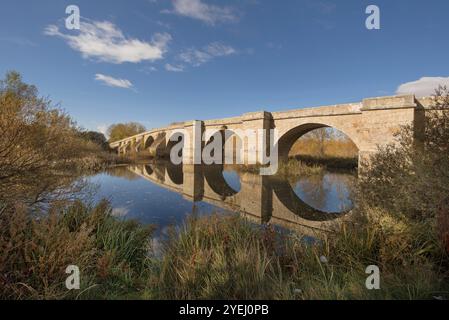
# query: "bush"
{"type": "Point", "coordinates": [111, 254]}
{"type": "Point", "coordinates": [411, 176]}
{"type": "Point", "coordinates": [39, 141]}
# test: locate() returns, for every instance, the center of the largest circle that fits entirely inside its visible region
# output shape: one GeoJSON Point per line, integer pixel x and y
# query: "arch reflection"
{"type": "Point", "coordinates": [261, 198]}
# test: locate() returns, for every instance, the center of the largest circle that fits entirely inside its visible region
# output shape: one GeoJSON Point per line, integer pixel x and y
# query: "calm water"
{"type": "Point", "coordinates": [163, 194]}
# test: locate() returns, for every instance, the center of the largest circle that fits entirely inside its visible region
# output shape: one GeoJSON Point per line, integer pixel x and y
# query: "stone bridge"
{"type": "Point", "coordinates": [368, 123]}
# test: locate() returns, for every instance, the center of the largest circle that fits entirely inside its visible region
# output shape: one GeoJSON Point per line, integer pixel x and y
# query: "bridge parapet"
{"type": "Point", "coordinates": [393, 102]}
{"type": "Point", "coordinates": [332, 110]}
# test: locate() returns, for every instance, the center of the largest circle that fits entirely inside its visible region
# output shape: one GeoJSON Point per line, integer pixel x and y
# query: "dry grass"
{"type": "Point", "coordinates": [36, 251]}
{"type": "Point", "coordinates": [226, 257]}
{"type": "Point", "coordinates": [215, 257]}
{"type": "Point", "coordinates": [309, 147]}
{"type": "Point", "coordinates": [294, 167]}
{"type": "Point", "coordinates": [331, 154]}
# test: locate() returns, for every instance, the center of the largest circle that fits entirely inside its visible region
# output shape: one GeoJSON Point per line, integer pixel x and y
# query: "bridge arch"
{"type": "Point", "coordinates": [126, 147]}
{"type": "Point", "coordinates": [287, 196]}
{"type": "Point", "coordinates": [147, 170]}
{"type": "Point", "coordinates": [175, 173]}
{"type": "Point", "coordinates": [290, 135]}
{"type": "Point", "coordinates": [214, 176]}
{"type": "Point", "coordinates": [148, 142]}
{"type": "Point", "coordinates": [175, 139]}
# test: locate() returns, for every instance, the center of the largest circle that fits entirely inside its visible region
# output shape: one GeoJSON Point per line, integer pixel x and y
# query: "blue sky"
{"type": "Point", "coordinates": [160, 61]}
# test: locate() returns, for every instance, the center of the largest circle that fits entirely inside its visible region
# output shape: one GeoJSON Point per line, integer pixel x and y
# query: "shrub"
{"type": "Point", "coordinates": [111, 254]}
{"type": "Point", "coordinates": [38, 142]}
{"type": "Point", "coordinates": [411, 176]}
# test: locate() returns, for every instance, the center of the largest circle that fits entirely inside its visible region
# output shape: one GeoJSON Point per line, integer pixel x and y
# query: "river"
{"type": "Point", "coordinates": [163, 194]}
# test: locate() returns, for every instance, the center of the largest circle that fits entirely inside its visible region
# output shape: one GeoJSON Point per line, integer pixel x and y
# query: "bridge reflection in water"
{"type": "Point", "coordinates": [261, 199]}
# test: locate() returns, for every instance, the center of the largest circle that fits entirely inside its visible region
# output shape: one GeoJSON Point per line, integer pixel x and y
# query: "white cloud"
{"type": "Point", "coordinates": [423, 87]}
{"type": "Point", "coordinates": [174, 68]}
{"type": "Point", "coordinates": [113, 82]}
{"type": "Point", "coordinates": [208, 13]}
{"type": "Point", "coordinates": [197, 57]}
{"type": "Point", "coordinates": [105, 42]}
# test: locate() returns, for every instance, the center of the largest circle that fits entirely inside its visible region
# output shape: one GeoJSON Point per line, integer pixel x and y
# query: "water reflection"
{"type": "Point", "coordinates": [327, 192]}
{"type": "Point", "coordinates": [163, 193]}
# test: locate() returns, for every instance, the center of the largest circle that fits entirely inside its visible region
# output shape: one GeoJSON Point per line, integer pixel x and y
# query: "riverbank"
{"type": "Point", "coordinates": [304, 166]}
{"type": "Point", "coordinates": [215, 257]}
{"type": "Point", "coordinates": [329, 162]}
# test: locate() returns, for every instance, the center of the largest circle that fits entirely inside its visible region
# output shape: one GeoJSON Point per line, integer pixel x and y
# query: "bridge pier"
{"type": "Point", "coordinates": [193, 144]}
{"type": "Point", "coordinates": [193, 182]}
{"type": "Point", "coordinates": [381, 120]}
{"type": "Point", "coordinates": [251, 123]}
{"type": "Point", "coordinates": [256, 197]}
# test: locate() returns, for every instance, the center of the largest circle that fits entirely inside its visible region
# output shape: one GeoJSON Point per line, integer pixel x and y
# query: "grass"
{"type": "Point", "coordinates": [215, 257]}
{"type": "Point", "coordinates": [329, 148]}
{"type": "Point", "coordinates": [328, 162]}
{"type": "Point", "coordinates": [228, 258]}
{"type": "Point", "coordinates": [294, 167]}
{"type": "Point", "coordinates": [111, 254]}
{"type": "Point", "coordinates": [331, 154]}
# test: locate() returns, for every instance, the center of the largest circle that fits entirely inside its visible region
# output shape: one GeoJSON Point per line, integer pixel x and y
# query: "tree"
{"type": "Point", "coordinates": [124, 130]}
{"type": "Point", "coordinates": [321, 135]}
{"type": "Point", "coordinates": [38, 141]}
{"type": "Point", "coordinates": [96, 137]}
{"type": "Point", "coordinates": [317, 139]}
